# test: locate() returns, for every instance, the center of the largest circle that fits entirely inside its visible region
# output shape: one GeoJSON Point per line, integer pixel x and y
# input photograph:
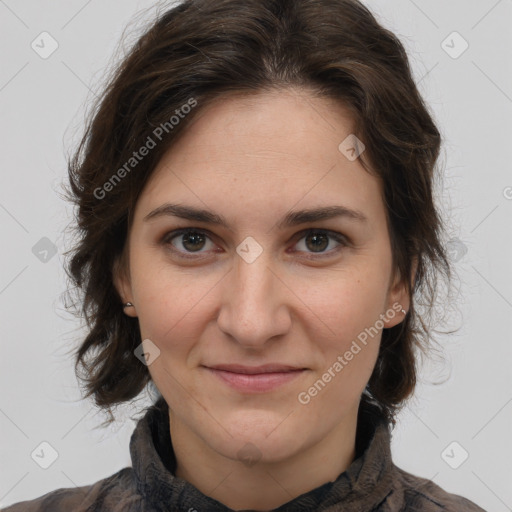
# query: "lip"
{"type": "Point", "coordinates": [255, 379]}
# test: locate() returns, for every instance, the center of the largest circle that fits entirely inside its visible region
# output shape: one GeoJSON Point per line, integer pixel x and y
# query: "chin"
{"type": "Point", "coordinates": [257, 436]}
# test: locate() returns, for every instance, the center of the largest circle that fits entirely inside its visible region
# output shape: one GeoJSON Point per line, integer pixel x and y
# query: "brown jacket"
{"type": "Point", "coordinates": [372, 483]}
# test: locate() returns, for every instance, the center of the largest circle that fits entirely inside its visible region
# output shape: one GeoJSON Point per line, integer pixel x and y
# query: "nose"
{"type": "Point", "coordinates": [254, 306]}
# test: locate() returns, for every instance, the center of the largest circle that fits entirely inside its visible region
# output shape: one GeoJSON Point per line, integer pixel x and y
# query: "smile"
{"type": "Point", "coordinates": [248, 381]}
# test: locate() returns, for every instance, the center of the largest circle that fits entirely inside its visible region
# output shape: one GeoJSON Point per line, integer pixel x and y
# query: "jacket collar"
{"type": "Point", "coordinates": [366, 483]}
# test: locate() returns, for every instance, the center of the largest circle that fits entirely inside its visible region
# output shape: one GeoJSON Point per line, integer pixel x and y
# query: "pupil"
{"type": "Point", "coordinates": [192, 239]}
{"type": "Point", "coordinates": [315, 238]}
{"type": "Point", "coordinates": [318, 241]}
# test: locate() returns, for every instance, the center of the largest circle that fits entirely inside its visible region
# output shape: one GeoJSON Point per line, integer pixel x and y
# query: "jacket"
{"type": "Point", "coordinates": [372, 483]}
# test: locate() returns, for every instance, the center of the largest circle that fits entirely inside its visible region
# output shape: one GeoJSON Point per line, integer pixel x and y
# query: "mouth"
{"type": "Point", "coordinates": [255, 379]}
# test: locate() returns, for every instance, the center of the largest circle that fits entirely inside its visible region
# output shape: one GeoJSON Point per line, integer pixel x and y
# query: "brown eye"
{"type": "Point", "coordinates": [193, 241]}
{"type": "Point", "coordinates": [188, 241]}
{"type": "Point", "coordinates": [321, 242]}
{"type": "Point", "coordinates": [317, 242]}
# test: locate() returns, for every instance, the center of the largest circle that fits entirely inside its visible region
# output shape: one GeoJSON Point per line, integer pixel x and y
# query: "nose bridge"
{"type": "Point", "coordinates": [253, 283]}
{"type": "Point", "coordinates": [253, 308]}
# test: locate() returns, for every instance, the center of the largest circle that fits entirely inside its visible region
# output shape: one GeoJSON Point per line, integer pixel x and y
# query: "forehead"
{"type": "Point", "coordinates": [267, 150]}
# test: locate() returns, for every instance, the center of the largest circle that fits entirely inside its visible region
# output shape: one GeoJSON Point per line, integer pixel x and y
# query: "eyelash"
{"type": "Point", "coordinates": [337, 237]}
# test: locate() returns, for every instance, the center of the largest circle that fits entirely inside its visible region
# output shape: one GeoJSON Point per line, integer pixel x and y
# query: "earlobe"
{"type": "Point", "coordinates": [397, 310]}
{"type": "Point", "coordinates": [129, 309]}
{"type": "Point", "coordinates": [123, 287]}
{"type": "Point", "coordinates": [399, 299]}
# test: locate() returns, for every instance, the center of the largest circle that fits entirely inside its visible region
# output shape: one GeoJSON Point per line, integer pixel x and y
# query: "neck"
{"type": "Point", "coordinates": [264, 485]}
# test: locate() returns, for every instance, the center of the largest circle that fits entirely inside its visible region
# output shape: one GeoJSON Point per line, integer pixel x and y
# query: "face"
{"type": "Point", "coordinates": [256, 283]}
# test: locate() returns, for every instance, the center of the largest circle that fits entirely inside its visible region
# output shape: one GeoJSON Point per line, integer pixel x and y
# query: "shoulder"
{"type": "Point", "coordinates": [421, 494]}
{"type": "Point", "coordinates": [103, 495]}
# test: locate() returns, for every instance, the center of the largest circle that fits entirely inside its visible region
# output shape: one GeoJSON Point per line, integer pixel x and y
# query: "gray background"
{"type": "Point", "coordinates": [41, 109]}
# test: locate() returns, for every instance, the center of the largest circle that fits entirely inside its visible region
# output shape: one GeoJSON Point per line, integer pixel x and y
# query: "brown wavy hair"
{"type": "Point", "coordinates": [208, 49]}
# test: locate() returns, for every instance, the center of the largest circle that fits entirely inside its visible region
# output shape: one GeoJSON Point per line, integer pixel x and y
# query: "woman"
{"type": "Point", "coordinates": [256, 224]}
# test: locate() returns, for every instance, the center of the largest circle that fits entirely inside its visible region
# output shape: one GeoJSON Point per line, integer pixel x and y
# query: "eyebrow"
{"type": "Point", "coordinates": [291, 219]}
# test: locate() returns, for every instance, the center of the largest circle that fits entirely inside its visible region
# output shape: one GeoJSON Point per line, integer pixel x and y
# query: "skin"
{"type": "Point", "coordinates": [252, 160]}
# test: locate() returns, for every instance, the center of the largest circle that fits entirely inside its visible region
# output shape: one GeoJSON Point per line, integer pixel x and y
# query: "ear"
{"type": "Point", "coordinates": [121, 278]}
{"type": "Point", "coordinates": [398, 299]}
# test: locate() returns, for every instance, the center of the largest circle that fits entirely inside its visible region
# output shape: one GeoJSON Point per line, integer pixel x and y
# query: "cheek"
{"type": "Point", "coordinates": [348, 303]}
{"type": "Point", "coordinates": [348, 314]}
{"type": "Point", "coordinates": [167, 306]}
{"type": "Point", "coordinates": [173, 305]}
{"type": "Point", "coordinates": [172, 314]}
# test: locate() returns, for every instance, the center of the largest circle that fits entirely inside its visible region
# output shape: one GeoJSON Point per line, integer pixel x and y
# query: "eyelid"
{"type": "Point", "coordinates": [341, 239]}
{"type": "Point", "coordinates": [176, 233]}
